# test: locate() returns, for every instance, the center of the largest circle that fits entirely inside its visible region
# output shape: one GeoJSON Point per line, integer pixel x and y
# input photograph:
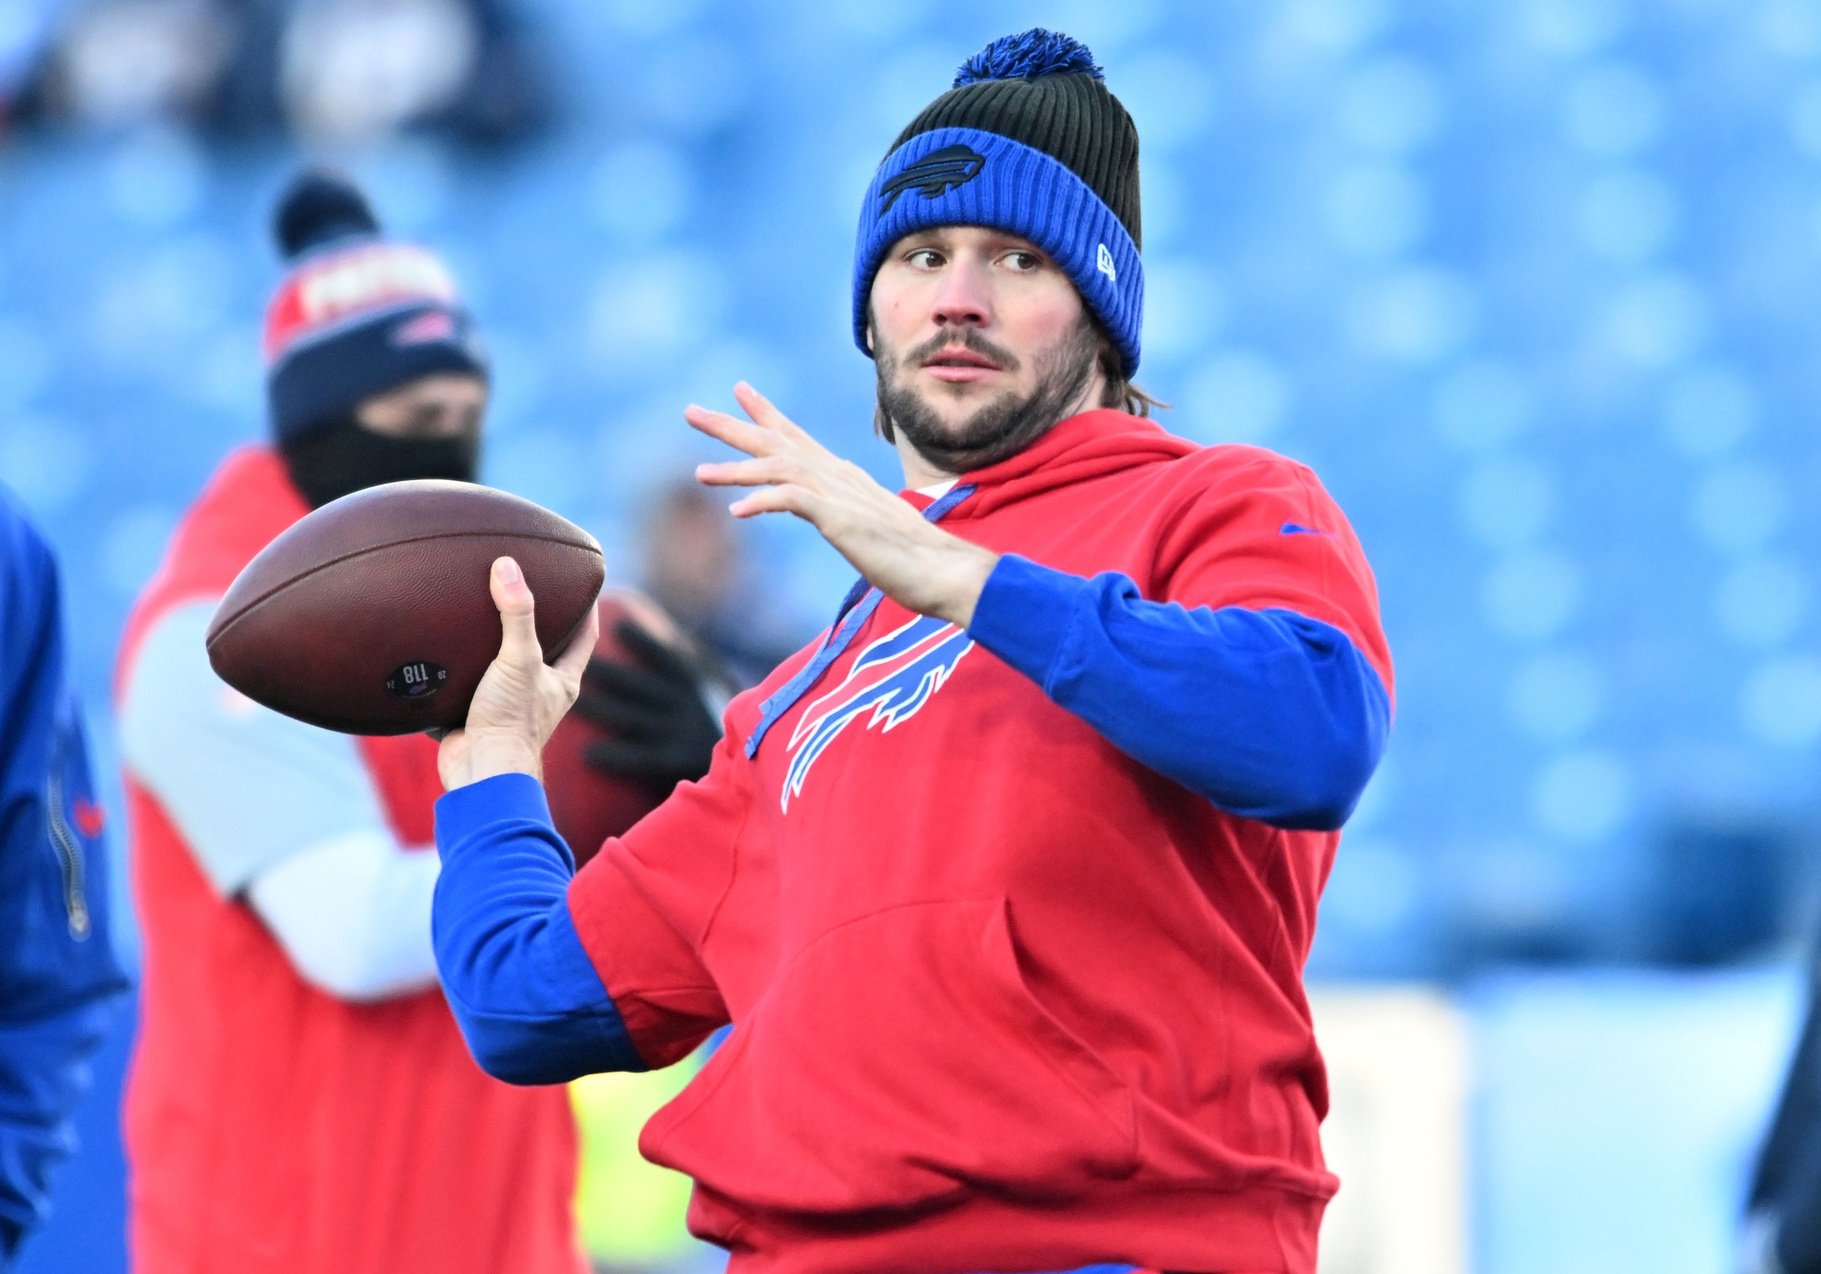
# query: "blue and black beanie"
{"type": "Point", "coordinates": [357, 314]}
{"type": "Point", "coordinates": [1029, 141]}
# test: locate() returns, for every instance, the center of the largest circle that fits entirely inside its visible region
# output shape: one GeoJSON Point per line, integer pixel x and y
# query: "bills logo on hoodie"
{"type": "Point", "coordinates": [889, 683]}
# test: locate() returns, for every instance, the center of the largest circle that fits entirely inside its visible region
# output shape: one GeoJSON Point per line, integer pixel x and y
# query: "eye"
{"type": "Point", "coordinates": [1023, 260]}
{"type": "Point", "coordinates": [923, 258]}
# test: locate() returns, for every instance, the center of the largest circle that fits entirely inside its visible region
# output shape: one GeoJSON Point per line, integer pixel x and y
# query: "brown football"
{"type": "Point", "coordinates": [586, 805]}
{"type": "Point", "coordinates": [371, 615]}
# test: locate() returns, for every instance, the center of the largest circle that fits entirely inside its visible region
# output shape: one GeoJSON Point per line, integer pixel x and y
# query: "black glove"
{"type": "Point", "coordinates": [657, 713]}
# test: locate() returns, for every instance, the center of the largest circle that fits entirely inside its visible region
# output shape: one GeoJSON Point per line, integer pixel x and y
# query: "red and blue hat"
{"type": "Point", "coordinates": [358, 314]}
{"type": "Point", "coordinates": [1029, 141]}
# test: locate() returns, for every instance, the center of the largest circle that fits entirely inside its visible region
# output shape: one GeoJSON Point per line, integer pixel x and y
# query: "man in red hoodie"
{"type": "Point", "coordinates": [1006, 885]}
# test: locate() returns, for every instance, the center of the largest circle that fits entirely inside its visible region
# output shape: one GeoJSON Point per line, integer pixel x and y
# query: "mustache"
{"type": "Point", "coordinates": [966, 338]}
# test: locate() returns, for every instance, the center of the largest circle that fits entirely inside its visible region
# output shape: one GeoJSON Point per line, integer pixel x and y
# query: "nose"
{"type": "Point", "coordinates": [962, 298]}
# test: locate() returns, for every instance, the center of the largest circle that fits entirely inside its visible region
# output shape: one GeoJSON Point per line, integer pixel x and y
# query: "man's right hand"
{"type": "Point", "coordinates": [521, 698]}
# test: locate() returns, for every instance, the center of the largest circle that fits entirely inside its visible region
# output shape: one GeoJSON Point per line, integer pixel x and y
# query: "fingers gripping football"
{"type": "Point", "coordinates": [520, 699]}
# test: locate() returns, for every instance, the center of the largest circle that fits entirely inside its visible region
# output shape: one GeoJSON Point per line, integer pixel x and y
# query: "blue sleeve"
{"type": "Point", "coordinates": [59, 975]}
{"type": "Point", "coordinates": [528, 1000]}
{"type": "Point", "coordinates": [1267, 713]}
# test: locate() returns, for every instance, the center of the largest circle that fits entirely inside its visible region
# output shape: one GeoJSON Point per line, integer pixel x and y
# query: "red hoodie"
{"type": "Point", "coordinates": [1005, 998]}
{"type": "Point", "coordinates": [272, 1128]}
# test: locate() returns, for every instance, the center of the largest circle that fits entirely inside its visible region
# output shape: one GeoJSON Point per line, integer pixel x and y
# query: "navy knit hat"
{"type": "Point", "coordinates": [1029, 141]}
{"type": "Point", "coordinates": [357, 315]}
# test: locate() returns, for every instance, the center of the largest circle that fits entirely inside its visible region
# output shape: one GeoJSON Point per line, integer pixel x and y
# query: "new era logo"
{"type": "Point", "coordinates": [934, 175]}
{"type": "Point", "coordinates": [1103, 262]}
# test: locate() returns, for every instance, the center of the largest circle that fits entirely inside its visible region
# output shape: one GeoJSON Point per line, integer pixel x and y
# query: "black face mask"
{"type": "Point", "coordinates": [344, 458]}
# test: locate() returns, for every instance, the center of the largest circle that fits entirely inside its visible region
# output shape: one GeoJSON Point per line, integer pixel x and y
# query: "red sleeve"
{"type": "Point", "coordinates": [642, 906]}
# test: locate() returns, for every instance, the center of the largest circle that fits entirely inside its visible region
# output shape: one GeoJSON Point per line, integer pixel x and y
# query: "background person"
{"type": "Point", "coordinates": [693, 565]}
{"type": "Point", "coordinates": [59, 977]}
{"type": "Point", "coordinates": [1007, 886]}
{"type": "Point", "coordinates": [300, 1099]}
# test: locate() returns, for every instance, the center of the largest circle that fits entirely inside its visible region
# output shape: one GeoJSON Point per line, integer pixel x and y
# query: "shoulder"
{"type": "Point", "coordinates": [170, 680]}
{"type": "Point", "coordinates": [1243, 465]}
{"type": "Point", "coordinates": [175, 642]}
{"type": "Point", "coordinates": [1231, 480]}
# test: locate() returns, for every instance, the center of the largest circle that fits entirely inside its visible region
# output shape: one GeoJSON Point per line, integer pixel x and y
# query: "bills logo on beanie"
{"type": "Point", "coordinates": [1028, 141]}
{"type": "Point", "coordinates": [357, 315]}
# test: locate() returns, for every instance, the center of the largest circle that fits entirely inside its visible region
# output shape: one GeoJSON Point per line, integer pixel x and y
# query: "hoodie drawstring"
{"type": "Point", "coordinates": [856, 608]}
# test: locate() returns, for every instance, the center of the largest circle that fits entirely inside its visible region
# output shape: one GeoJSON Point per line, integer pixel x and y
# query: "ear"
{"type": "Point", "coordinates": [870, 332]}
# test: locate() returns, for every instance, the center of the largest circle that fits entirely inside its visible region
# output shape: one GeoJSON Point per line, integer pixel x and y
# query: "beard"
{"type": "Point", "coordinates": [1000, 427]}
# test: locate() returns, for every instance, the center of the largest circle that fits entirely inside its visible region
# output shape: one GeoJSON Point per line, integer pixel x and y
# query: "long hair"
{"type": "Point", "coordinates": [1119, 391]}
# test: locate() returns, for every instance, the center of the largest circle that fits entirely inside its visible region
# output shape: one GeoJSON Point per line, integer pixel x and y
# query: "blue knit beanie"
{"type": "Point", "coordinates": [1028, 141]}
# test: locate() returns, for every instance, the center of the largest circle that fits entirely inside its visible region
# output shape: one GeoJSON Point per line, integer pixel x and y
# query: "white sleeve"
{"type": "Point", "coordinates": [280, 812]}
{"type": "Point", "coordinates": [354, 915]}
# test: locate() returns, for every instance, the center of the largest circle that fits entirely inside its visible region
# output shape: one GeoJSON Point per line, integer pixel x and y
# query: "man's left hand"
{"type": "Point", "coordinates": [917, 564]}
